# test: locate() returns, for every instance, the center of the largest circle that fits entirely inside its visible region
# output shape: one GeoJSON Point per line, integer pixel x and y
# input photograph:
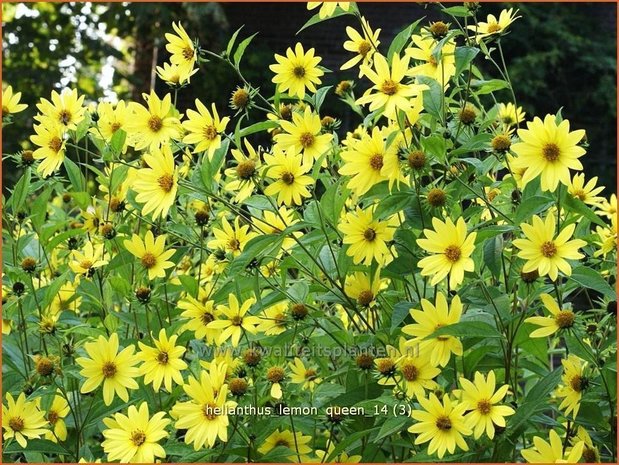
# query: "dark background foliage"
{"type": "Point", "coordinates": [558, 55]}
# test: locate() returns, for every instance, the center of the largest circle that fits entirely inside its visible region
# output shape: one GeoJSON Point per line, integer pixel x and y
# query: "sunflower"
{"type": "Point", "coordinates": [607, 238]}
{"type": "Point", "coordinates": [153, 127]}
{"type": "Point", "coordinates": [297, 71]}
{"type": "Point", "coordinates": [55, 416]}
{"type": "Point", "coordinates": [608, 208]}
{"type": "Point", "coordinates": [362, 45]}
{"type": "Point", "coordinates": [174, 75]}
{"type": "Point", "coordinates": [112, 118]}
{"type": "Point", "coordinates": [276, 223]}
{"type": "Point", "coordinates": [201, 312]}
{"type": "Point", "coordinates": [510, 115]}
{"type": "Point", "coordinates": [229, 239]}
{"type": "Point", "coordinates": [205, 416]}
{"type": "Point", "coordinates": [549, 150]}
{"type": "Point", "coordinates": [414, 371]}
{"type": "Point", "coordinates": [273, 320]}
{"type": "Point", "coordinates": [342, 457]}
{"type": "Point", "coordinates": [441, 423]}
{"type": "Point", "coordinates": [22, 420]}
{"type": "Point", "coordinates": [327, 8]}
{"type": "Point", "coordinates": [548, 325]}
{"type": "Point", "coordinates": [307, 377]}
{"type": "Point", "coordinates": [289, 173]}
{"type": "Point", "coordinates": [65, 110]}
{"type": "Point", "coordinates": [431, 318]}
{"type": "Point", "coordinates": [552, 452]}
{"type": "Point", "coordinates": [481, 399]}
{"type": "Point", "coordinates": [590, 453]}
{"type": "Point", "coordinates": [241, 178]}
{"type": "Point", "coordinates": [204, 129]}
{"type": "Point", "coordinates": [133, 438]}
{"type": "Point", "coordinates": [367, 237]}
{"type": "Point", "coordinates": [156, 186]}
{"type": "Point", "coordinates": [106, 365]}
{"type": "Point", "coordinates": [232, 320]}
{"type": "Point", "coordinates": [546, 253]}
{"type": "Point", "coordinates": [163, 363]}
{"type": "Point", "coordinates": [182, 49]}
{"type": "Point", "coordinates": [303, 136]}
{"type": "Point", "coordinates": [151, 253]}
{"type": "Point", "coordinates": [86, 261]}
{"type": "Point", "coordinates": [573, 384]}
{"type": "Point", "coordinates": [451, 247]}
{"type": "Point", "coordinates": [493, 26]}
{"type": "Point", "coordinates": [370, 161]}
{"type": "Point", "coordinates": [441, 71]}
{"type": "Point", "coordinates": [275, 375]}
{"type": "Point", "coordinates": [51, 147]}
{"type": "Point", "coordinates": [587, 193]}
{"type": "Point", "coordinates": [297, 443]}
{"type": "Point", "coordinates": [361, 287]}
{"type": "Point", "coordinates": [388, 92]}
{"type": "Point", "coordinates": [10, 102]}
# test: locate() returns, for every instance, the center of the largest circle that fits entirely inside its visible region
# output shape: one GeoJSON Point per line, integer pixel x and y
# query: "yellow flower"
{"type": "Point", "coordinates": [231, 240]}
{"type": "Point", "coordinates": [182, 49]}
{"type": "Point", "coordinates": [205, 416]}
{"type": "Point", "coordinates": [154, 126]}
{"type": "Point", "coordinates": [133, 438]}
{"type": "Point", "coordinates": [342, 457]}
{"type": "Point", "coordinates": [559, 319]}
{"type": "Point", "coordinates": [552, 452]}
{"type": "Point", "coordinates": [441, 71]}
{"type": "Point", "coordinates": [388, 92]}
{"type": "Point", "coordinates": [364, 46]}
{"type": "Point", "coordinates": [112, 118]}
{"type": "Point", "coordinates": [204, 129]}
{"type": "Point", "coordinates": [242, 176]}
{"type": "Point", "coordinates": [367, 237]}
{"type": "Point", "coordinates": [10, 102]}
{"type": "Point", "coordinates": [327, 8]}
{"type": "Point", "coordinates": [590, 453]}
{"type": "Point", "coordinates": [509, 115]}
{"type": "Point", "coordinates": [361, 287]}
{"type": "Point", "coordinates": [608, 207]}
{"type": "Point", "coordinates": [307, 377]}
{"type": "Point", "coordinates": [297, 71]}
{"type": "Point", "coordinates": [493, 26]}
{"type": "Point", "coordinates": [415, 371]}
{"type": "Point", "coordinates": [201, 312]}
{"type": "Point", "coordinates": [175, 75]}
{"type": "Point", "coordinates": [297, 443]}
{"type": "Point", "coordinates": [273, 320]}
{"type": "Point", "coordinates": [65, 110]}
{"type": "Point", "coordinates": [151, 253]}
{"type": "Point", "coordinates": [585, 192]}
{"type": "Point", "coordinates": [51, 143]}
{"type": "Point", "coordinates": [370, 161]}
{"type": "Point", "coordinates": [608, 238]}
{"type": "Point", "coordinates": [303, 136]}
{"type": "Point", "coordinates": [545, 252]}
{"type": "Point", "coordinates": [289, 173]}
{"type": "Point", "coordinates": [451, 248]}
{"type": "Point", "coordinates": [481, 399]}
{"type": "Point", "coordinates": [232, 321]}
{"type": "Point", "coordinates": [22, 419]}
{"type": "Point", "coordinates": [163, 363]}
{"type": "Point", "coordinates": [275, 375]}
{"type": "Point", "coordinates": [85, 262]}
{"type": "Point", "coordinates": [429, 320]}
{"type": "Point", "coordinates": [573, 384]}
{"type": "Point", "coordinates": [156, 186]}
{"type": "Point", "coordinates": [276, 223]}
{"type": "Point", "coordinates": [6, 326]}
{"type": "Point", "coordinates": [549, 150]}
{"type": "Point", "coordinates": [55, 416]}
{"type": "Point", "coordinates": [106, 365]}
{"type": "Point", "coordinates": [442, 424]}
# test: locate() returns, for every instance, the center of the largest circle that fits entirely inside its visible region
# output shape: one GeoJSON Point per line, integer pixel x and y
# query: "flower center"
{"type": "Point", "coordinates": [484, 406]}
{"type": "Point", "coordinates": [299, 71]}
{"type": "Point", "coordinates": [580, 194]}
{"type": "Point", "coordinates": [115, 127]}
{"type": "Point", "coordinates": [389, 87]}
{"type": "Point", "coordinates": [306, 139]}
{"type": "Point", "coordinates": [551, 152]}
{"type": "Point", "coordinates": [385, 366]}
{"type": "Point", "coordinates": [549, 249]}
{"type": "Point", "coordinates": [188, 53]}
{"type": "Point", "coordinates": [577, 383]}
{"type": "Point", "coordinates": [364, 47]}
{"type": "Point", "coordinates": [288, 178]}
{"type": "Point", "coordinates": [376, 161]}
{"type": "Point", "coordinates": [443, 423]}
{"type": "Point", "coordinates": [493, 27]}
{"type": "Point", "coordinates": [365, 298]}
{"type": "Point", "coordinates": [210, 132]}
{"type": "Point", "coordinates": [237, 320]}
{"type": "Point", "coordinates": [280, 319]}
{"type": "Point", "coordinates": [166, 182]}
{"type": "Point", "coordinates": [55, 144]}
{"type": "Point", "coordinates": [369, 234]}
{"type": "Point", "coordinates": [246, 169]}
{"type": "Point", "coordinates": [155, 123]}
{"type": "Point", "coordinates": [210, 411]}
{"type": "Point", "coordinates": [310, 374]}
{"type": "Point", "coordinates": [564, 319]}
{"type": "Point", "coordinates": [16, 423]}
{"type": "Point", "coordinates": [410, 372]}
{"type": "Point", "coordinates": [234, 244]}
{"type": "Point", "coordinates": [109, 369]}
{"type": "Point", "coordinates": [437, 197]}
{"type": "Point", "coordinates": [148, 260]}
{"type": "Point", "coordinates": [206, 318]}
{"type": "Point", "coordinates": [432, 60]}
{"type": "Point", "coordinates": [138, 438]}
{"type": "Point", "coordinates": [453, 253]}
{"type": "Point", "coordinates": [52, 417]}
{"type": "Point", "coordinates": [86, 264]}
{"type": "Point", "coordinates": [163, 358]}
{"type": "Point", "coordinates": [65, 117]}
{"type": "Point", "coordinates": [275, 374]}
{"type": "Point", "coordinates": [5, 110]}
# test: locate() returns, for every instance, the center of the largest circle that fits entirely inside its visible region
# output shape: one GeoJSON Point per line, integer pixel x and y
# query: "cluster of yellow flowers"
{"type": "Point", "coordinates": [201, 273]}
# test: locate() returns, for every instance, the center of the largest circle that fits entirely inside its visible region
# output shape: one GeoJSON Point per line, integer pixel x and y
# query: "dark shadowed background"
{"type": "Point", "coordinates": [558, 55]}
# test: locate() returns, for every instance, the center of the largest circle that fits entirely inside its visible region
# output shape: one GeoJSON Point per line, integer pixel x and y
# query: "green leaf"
{"type": "Point", "coordinates": [466, 329]}
{"type": "Point", "coordinates": [35, 445]}
{"type": "Point", "coordinates": [241, 49]}
{"type": "Point", "coordinates": [459, 11]}
{"type": "Point", "coordinates": [258, 127]}
{"type": "Point", "coordinates": [578, 206]}
{"type": "Point", "coordinates": [118, 141]}
{"type": "Point", "coordinates": [316, 18]}
{"type": "Point", "coordinates": [255, 248]}
{"type": "Point", "coordinates": [400, 40]}
{"type": "Point", "coordinates": [232, 40]}
{"type": "Point", "coordinates": [394, 203]}
{"type": "Point", "coordinates": [531, 206]}
{"type": "Point", "coordinates": [493, 250]}
{"type": "Point", "coordinates": [392, 425]}
{"type": "Point", "coordinates": [591, 279]}
{"type": "Point", "coordinates": [20, 193]}
{"type": "Point", "coordinates": [400, 312]}
{"type": "Point", "coordinates": [464, 55]}
{"type": "Point", "coordinates": [487, 87]}
{"type": "Point", "coordinates": [432, 97]}
{"type": "Point", "coordinates": [76, 177]}
{"type": "Point", "coordinates": [319, 97]}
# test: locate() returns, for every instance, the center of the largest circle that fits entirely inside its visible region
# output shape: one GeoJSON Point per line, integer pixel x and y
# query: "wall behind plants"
{"type": "Point", "coordinates": [580, 37]}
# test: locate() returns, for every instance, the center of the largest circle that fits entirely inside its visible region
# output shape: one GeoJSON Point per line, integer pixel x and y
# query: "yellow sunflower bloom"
{"type": "Point", "coordinates": [204, 129]}
{"type": "Point", "coordinates": [608, 208]}
{"type": "Point", "coordinates": [229, 239]}
{"type": "Point", "coordinates": [327, 8]}
{"type": "Point", "coordinates": [290, 176]}
{"type": "Point", "coordinates": [415, 371]}
{"type": "Point", "coordinates": [573, 384]}
{"type": "Point", "coordinates": [552, 452]}
{"type": "Point", "coordinates": [493, 26]}
{"type": "Point", "coordinates": [509, 115]}
{"type": "Point", "coordinates": [155, 126]}
{"type": "Point", "coordinates": [274, 319]}
{"type": "Point", "coordinates": [51, 147]}
{"type": "Point", "coordinates": [232, 320]}
{"type": "Point", "coordinates": [548, 325]}
{"type": "Point", "coordinates": [241, 178]}
{"type": "Point", "coordinates": [363, 288]}
{"type": "Point", "coordinates": [298, 443]}
{"type": "Point", "coordinates": [441, 71]}
{"type": "Point", "coordinates": [163, 363]}
{"type": "Point", "coordinates": [55, 416]}
{"type": "Point", "coordinates": [200, 312]}
{"type": "Point", "coordinates": [65, 110]}
{"type": "Point", "coordinates": [10, 102]}
{"type": "Point", "coordinates": [363, 45]}
{"type": "Point", "coordinates": [182, 49]}
{"type": "Point", "coordinates": [585, 192]}
{"type": "Point", "coordinates": [22, 420]}
{"type": "Point", "coordinates": [156, 186]}
{"type": "Point", "coordinates": [151, 253]}
{"type": "Point", "coordinates": [85, 262]}
{"type": "Point", "coordinates": [175, 75]}
{"type": "Point", "coordinates": [297, 71]}
{"type": "Point", "coordinates": [307, 377]}
{"type": "Point", "coordinates": [112, 118]}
